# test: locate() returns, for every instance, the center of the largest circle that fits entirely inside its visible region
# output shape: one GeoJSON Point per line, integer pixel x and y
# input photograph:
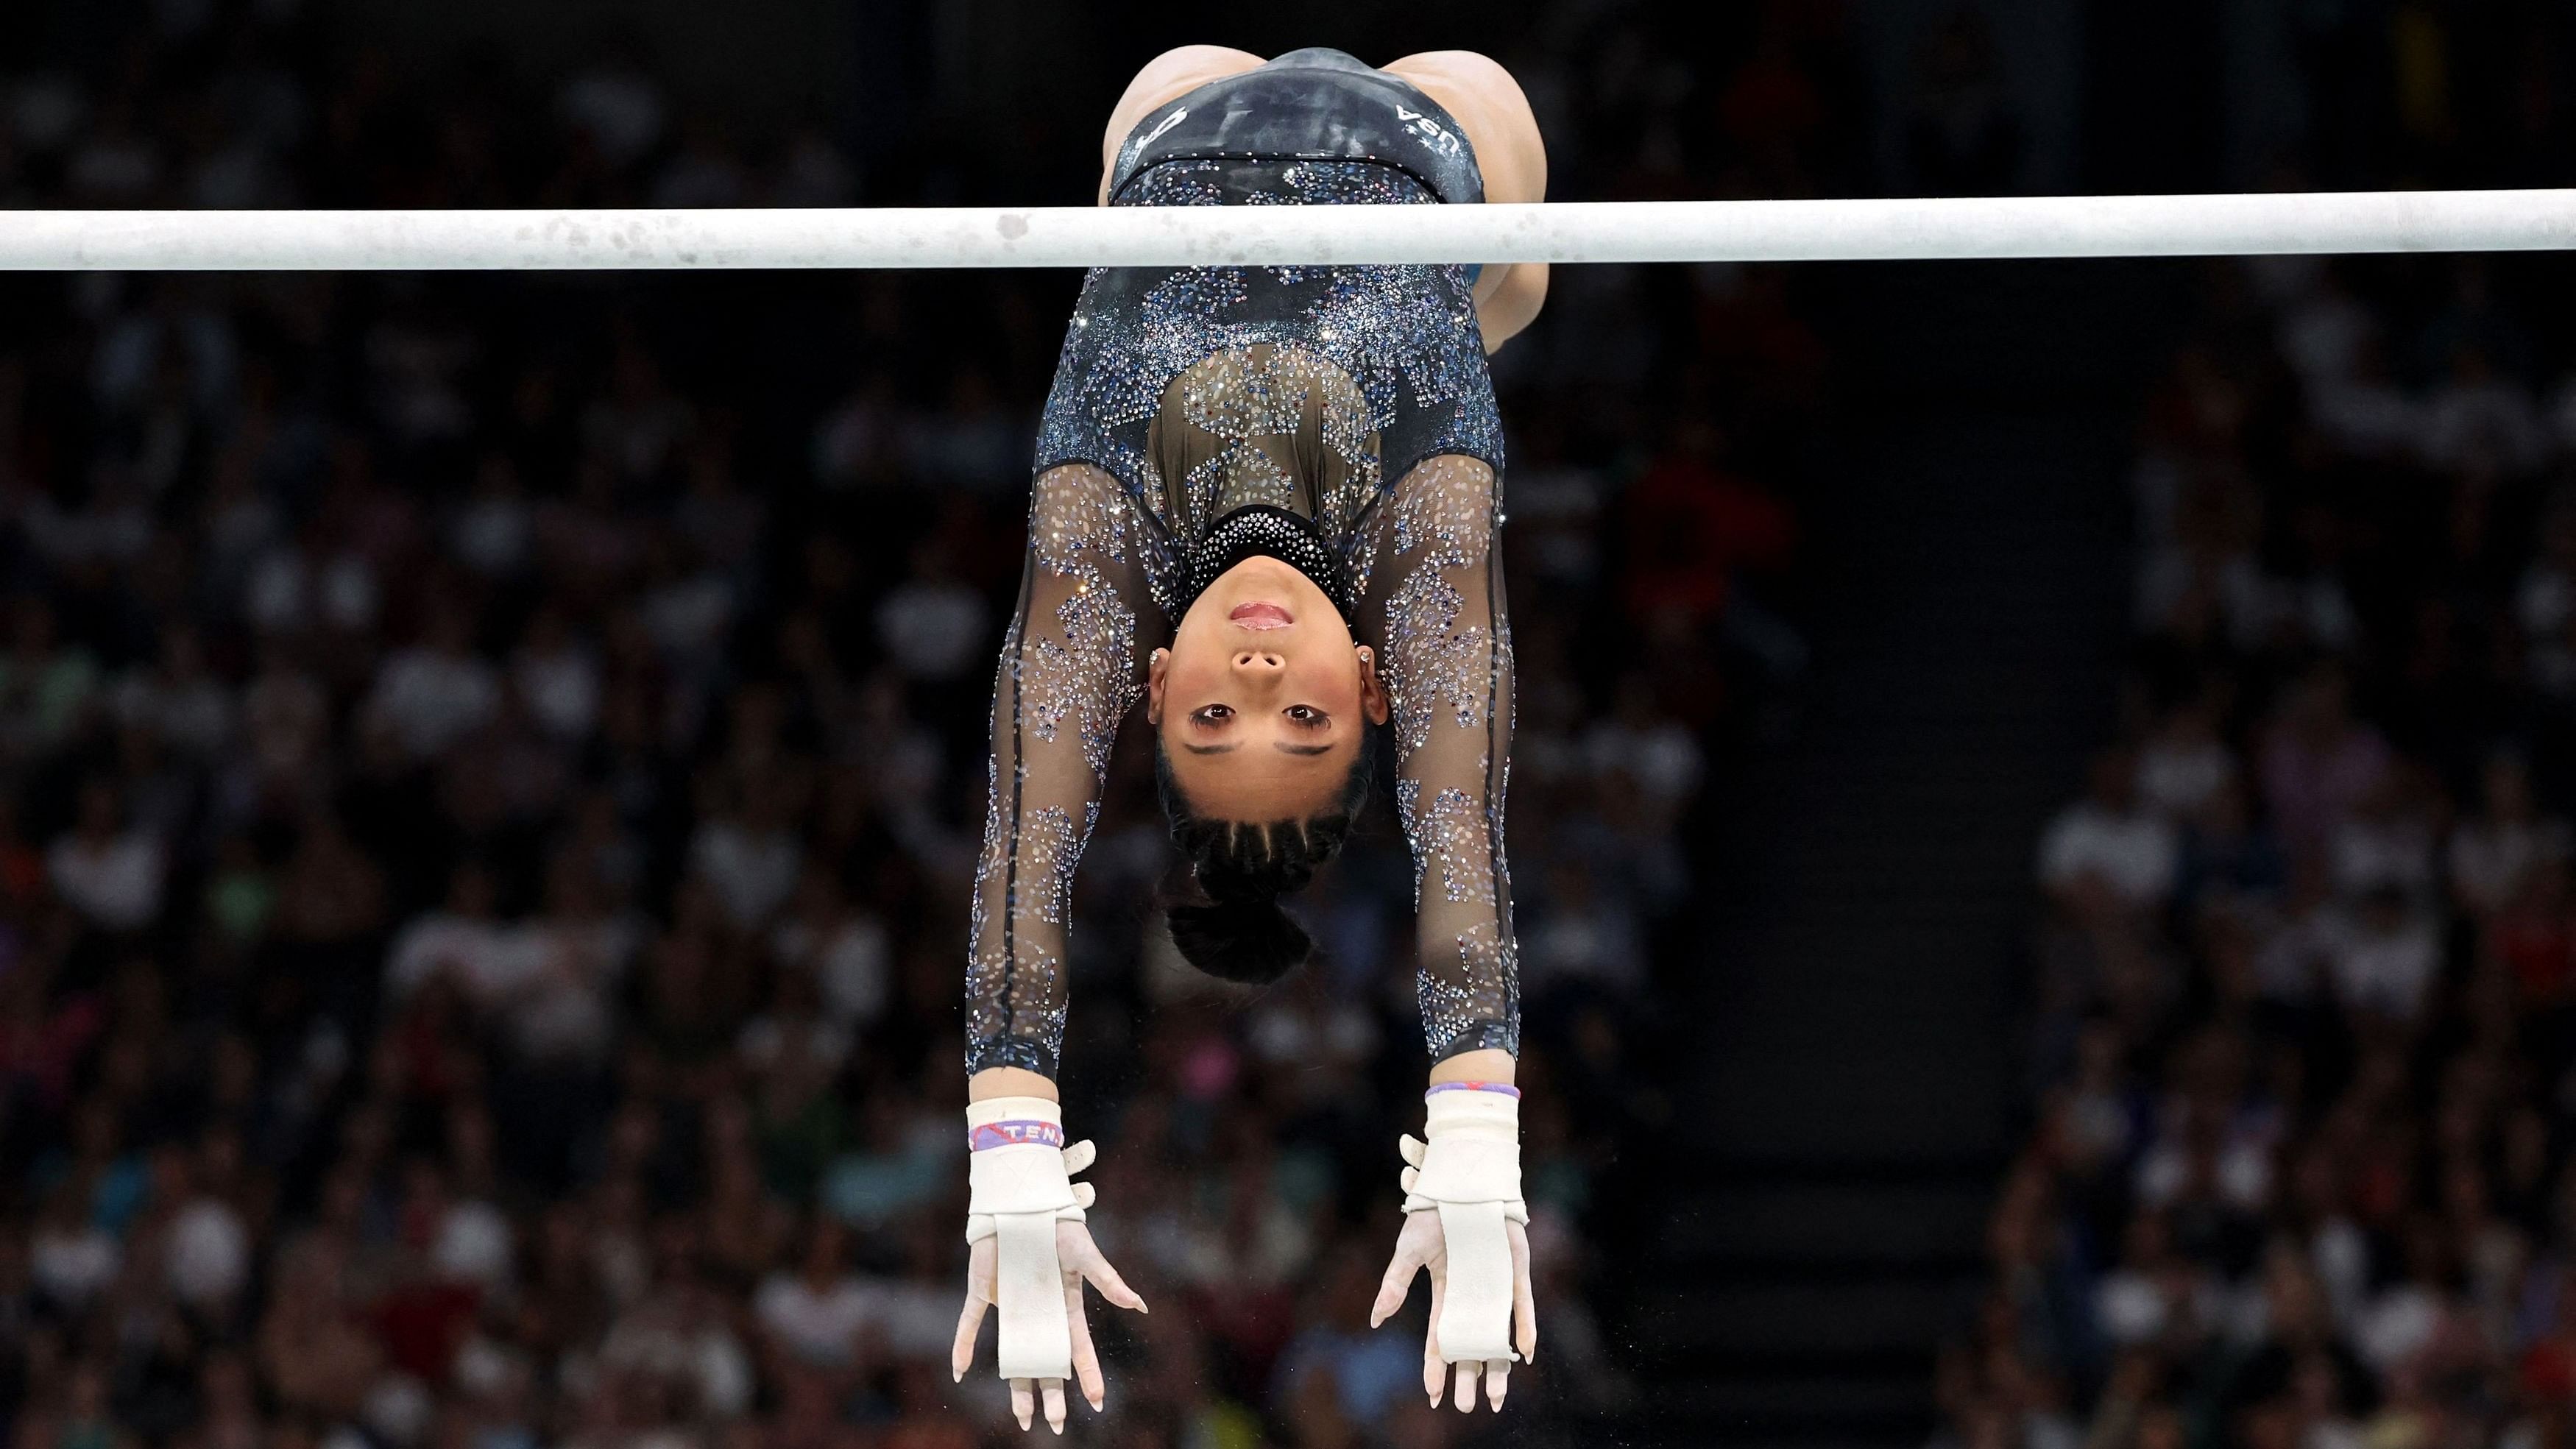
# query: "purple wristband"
{"type": "Point", "coordinates": [1508, 1091]}
{"type": "Point", "coordinates": [1024, 1133]}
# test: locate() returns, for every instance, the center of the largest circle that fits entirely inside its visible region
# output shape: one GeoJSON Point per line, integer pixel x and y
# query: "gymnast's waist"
{"type": "Point", "coordinates": [1315, 105]}
{"type": "Point", "coordinates": [1220, 179]}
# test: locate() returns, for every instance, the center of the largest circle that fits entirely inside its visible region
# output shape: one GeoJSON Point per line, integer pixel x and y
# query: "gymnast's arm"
{"type": "Point", "coordinates": [1448, 657]}
{"type": "Point", "coordinates": [1069, 671]}
{"type": "Point", "coordinates": [1438, 605]}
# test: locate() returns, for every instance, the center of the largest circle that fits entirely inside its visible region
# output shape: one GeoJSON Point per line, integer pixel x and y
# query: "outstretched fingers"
{"type": "Point", "coordinates": [1397, 1285]}
{"type": "Point", "coordinates": [979, 1296]}
{"type": "Point", "coordinates": [1082, 1258]}
{"type": "Point", "coordinates": [1435, 1374]}
{"type": "Point", "coordinates": [1524, 1302]}
{"type": "Point", "coordinates": [1051, 1393]}
{"type": "Point", "coordinates": [1086, 1358]}
{"type": "Point", "coordinates": [961, 1356]}
{"type": "Point", "coordinates": [1024, 1402]}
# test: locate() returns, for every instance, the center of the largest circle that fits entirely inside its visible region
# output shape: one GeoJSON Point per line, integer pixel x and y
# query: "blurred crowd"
{"type": "Point", "coordinates": [2305, 1044]}
{"type": "Point", "coordinates": [488, 772]}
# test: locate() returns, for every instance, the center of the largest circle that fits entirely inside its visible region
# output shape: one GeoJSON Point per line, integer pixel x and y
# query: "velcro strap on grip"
{"type": "Point", "coordinates": [1458, 1170]}
{"type": "Point", "coordinates": [1472, 1147]}
{"type": "Point", "coordinates": [1028, 1287]}
{"type": "Point", "coordinates": [1017, 1161]}
{"type": "Point", "coordinates": [1476, 1302]}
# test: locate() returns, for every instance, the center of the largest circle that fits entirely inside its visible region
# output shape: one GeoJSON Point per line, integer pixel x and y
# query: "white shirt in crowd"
{"type": "Point", "coordinates": [2487, 420]}
{"type": "Point", "coordinates": [917, 1319]}
{"type": "Point", "coordinates": [1584, 940]}
{"type": "Point", "coordinates": [209, 1253]}
{"type": "Point", "coordinates": [1662, 758]}
{"type": "Point", "coordinates": [432, 699]}
{"type": "Point", "coordinates": [560, 688]}
{"type": "Point", "coordinates": [2394, 854]}
{"type": "Point", "coordinates": [494, 533]}
{"type": "Point", "coordinates": [2136, 854]}
{"type": "Point", "coordinates": [766, 1043]}
{"type": "Point", "coordinates": [752, 871]}
{"type": "Point", "coordinates": [2383, 969]}
{"type": "Point", "coordinates": [2397, 1323]}
{"type": "Point", "coordinates": [695, 1350]}
{"type": "Point", "coordinates": [563, 1013]}
{"type": "Point", "coordinates": [116, 882]}
{"type": "Point", "coordinates": [851, 962]}
{"type": "Point", "coordinates": [474, 1245]}
{"type": "Point", "coordinates": [490, 961]}
{"type": "Point", "coordinates": [2323, 336]}
{"type": "Point", "coordinates": [2132, 1307]}
{"type": "Point", "coordinates": [2242, 1172]}
{"type": "Point", "coordinates": [192, 716]}
{"type": "Point", "coordinates": [287, 593]}
{"type": "Point", "coordinates": [688, 616]}
{"type": "Point", "coordinates": [2178, 775]}
{"type": "Point", "coordinates": [2545, 599]}
{"type": "Point", "coordinates": [2367, 417]}
{"type": "Point", "coordinates": [71, 1265]}
{"type": "Point", "coordinates": [620, 108]}
{"type": "Point", "coordinates": [819, 1326]}
{"type": "Point", "coordinates": [2490, 860]}
{"type": "Point", "coordinates": [933, 629]}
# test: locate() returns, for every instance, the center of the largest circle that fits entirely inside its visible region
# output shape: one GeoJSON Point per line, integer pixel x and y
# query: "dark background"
{"type": "Point", "coordinates": [489, 764]}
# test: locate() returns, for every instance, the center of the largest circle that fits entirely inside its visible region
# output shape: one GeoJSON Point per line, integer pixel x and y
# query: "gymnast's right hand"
{"type": "Point", "coordinates": [1030, 1253]}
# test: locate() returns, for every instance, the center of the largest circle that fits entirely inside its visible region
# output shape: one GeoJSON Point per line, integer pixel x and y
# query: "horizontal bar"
{"type": "Point", "coordinates": [1084, 236]}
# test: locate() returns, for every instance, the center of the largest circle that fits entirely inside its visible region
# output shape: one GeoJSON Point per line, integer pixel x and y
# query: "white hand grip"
{"type": "Point", "coordinates": [1469, 1171]}
{"type": "Point", "coordinates": [1019, 1186]}
{"type": "Point", "coordinates": [1476, 1303]}
{"type": "Point", "coordinates": [1028, 1286]}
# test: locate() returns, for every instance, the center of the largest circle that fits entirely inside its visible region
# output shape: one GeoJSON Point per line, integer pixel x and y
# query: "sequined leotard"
{"type": "Point", "coordinates": [1356, 399]}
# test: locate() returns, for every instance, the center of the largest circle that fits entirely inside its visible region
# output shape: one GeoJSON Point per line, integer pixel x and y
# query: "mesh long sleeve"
{"type": "Point", "coordinates": [1069, 671]}
{"type": "Point", "coordinates": [1436, 599]}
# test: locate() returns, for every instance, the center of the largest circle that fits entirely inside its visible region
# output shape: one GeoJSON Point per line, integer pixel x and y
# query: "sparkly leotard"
{"type": "Point", "coordinates": [1200, 412]}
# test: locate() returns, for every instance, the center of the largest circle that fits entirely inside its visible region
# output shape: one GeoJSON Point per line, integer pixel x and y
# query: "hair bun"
{"type": "Point", "coordinates": [1253, 942]}
{"type": "Point", "coordinates": [1224, 912]}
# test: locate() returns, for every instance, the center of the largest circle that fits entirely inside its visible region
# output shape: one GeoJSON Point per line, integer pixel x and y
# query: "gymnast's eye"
{"type": "Point", "coordinates": [1306, 716]}
{"type": "Point", "coordinates": [1212, 715]}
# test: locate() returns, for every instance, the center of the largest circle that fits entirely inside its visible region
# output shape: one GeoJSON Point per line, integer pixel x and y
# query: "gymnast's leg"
{"type": "Point", "coordinates": [1169, 76]}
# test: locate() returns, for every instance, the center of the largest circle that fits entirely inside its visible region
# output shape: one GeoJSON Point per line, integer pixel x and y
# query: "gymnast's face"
{"type": "Point", "coordinates": [1263, 700]}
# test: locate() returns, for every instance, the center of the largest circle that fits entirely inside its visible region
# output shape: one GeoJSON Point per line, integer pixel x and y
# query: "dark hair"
{"type": "Point", "coordinates": [1232, 927]}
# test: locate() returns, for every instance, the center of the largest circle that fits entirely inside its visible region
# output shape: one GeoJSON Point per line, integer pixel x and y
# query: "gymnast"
{"type": "Point", "coordinates": [1290, 476]}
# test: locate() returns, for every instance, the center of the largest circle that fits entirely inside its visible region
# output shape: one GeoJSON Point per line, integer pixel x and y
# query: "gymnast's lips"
{"type": "Point", "coordinates": [1261, 616]}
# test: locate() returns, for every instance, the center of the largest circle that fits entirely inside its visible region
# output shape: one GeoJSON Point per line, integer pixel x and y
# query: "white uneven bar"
{"type": "Point", "coordinates": [1084, 236]}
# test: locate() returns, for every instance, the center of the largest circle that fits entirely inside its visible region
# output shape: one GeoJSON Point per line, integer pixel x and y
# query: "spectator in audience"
{"type": "Point", "coordinates": [2107, 850]}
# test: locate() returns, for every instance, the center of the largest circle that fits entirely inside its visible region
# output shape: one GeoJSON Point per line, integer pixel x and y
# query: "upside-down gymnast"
{"type": "Point", "coordinates": [1290, 477]}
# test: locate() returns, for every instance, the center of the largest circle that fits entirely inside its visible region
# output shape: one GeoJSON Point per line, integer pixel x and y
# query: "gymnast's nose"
{"type": "Point", "coordinates": [1257, 662]}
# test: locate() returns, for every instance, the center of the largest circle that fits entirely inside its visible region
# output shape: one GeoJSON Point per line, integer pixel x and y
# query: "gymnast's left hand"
{"type": "Point", "coordinates": [1467, 1226]}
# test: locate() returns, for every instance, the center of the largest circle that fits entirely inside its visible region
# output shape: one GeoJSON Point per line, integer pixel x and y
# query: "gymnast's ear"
{"type": "Point", "coordinates": [1372, 694]}
{"type": "Point", "coordinates": [1158, 665]}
